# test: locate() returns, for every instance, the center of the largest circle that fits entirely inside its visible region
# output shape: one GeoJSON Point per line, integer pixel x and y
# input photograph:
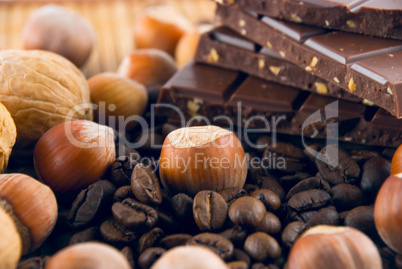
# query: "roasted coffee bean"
{"type": "Point", "coordinates": [175, 240]}
{"type": "Point", "coordinates": [337, 166]}
{"type": "Point", "coordinates": [90, 234]}
{"type": "Point", "coordinates": [149, 256]}
{"type": "Point", "coordinates": [361, 156]}
{"type": "Point", "coordinates": [115, 233]}
{"type": "Point", "coordinates": [362, 218]}
{"type": "Point", "coordinates": [342, 216]}
{"type": "Point", "coordinates": [309, 200]}
{"type": "Point", "coordinates": [150, 239]}
{"type": "Point", "coordinates": [259, 265]}
{"type": "Point", "coordinates": [240, 255]}
{"type": "Point", "coordinates": [273, 161]}
{"type": "Point", "coordinates": [33, 263]}
{"type": "Point", "coordinates": [182, 206]}
{"type": "Point", "coordinates": [286, 149]}
{"type": "Point", "coordinates": [122, 193]}
{"type": "Point", "coordinates": [375, 172]}
{"type": "Point", "coordinates": [312, 150]}
{"type": "Point", "coordinates": [166, 221]}
{"type": "Point", "coordinates": [325, 216]}
{"type": "Point", "coordinates": [145, 185]}
{"type": "Point", "coordinates": [209, 210]}
{"type": "Point", "coordinates": [217, 243]}
{"type": "Point", "coordinates": [129, 255]}
{"type": "Point", "coordinates": [249, 188]}
{"type": "Point", "coordinates": [346, 196]}
{"type": "Point", "coordinates": [247, 211]}
{"type": "Point", "coordinates": [121, 170]}
{"type": "Point", "coordinates": [236, 235]}
{"type": "Point", "coordinates": [261, 246]}
{"type": "Point", "coordinates": [308, 184]}
{"type": "Point", "coordinates": [90, 202]}
{"type": "Point", "coordinates": [231, 194]}
{"type": "Point", "coordinates": [292, 231]}
{"type": "Point", "coordinates": [273, 185]}
{"type": "Point", "coordinates": [237, 265]}
{"type": "Point", "coordinates": [301, 216]}
{"type": "Point", "coordinates": [134, 215]}
{"type": "Point", "coordinates": [270, 224]}
{"type": "Point", "coordinates": [262, 143]}
{"type": "Point", "coordinates": [268, 198]}
{"type": "Point", "coordinates": [287, 182]}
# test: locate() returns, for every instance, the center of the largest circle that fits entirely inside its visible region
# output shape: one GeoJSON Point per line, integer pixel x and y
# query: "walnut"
{"type": "Point", "coordinates": [8, 134]}
{"type": "Point", "coordinates": [40, 90]}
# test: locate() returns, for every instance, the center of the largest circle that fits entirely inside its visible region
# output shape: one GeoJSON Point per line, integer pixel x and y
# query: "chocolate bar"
{"type": "Point", "coordinates": [230, 98]}
{"type": "Point", "coordinates": [381, 18]}
{"type": "Point", "coordinates": [225, 48]}
{"type": "Point", "coordinates": [367, 67]}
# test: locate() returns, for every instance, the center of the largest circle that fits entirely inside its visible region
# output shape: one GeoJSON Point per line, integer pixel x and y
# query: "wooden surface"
{"type": "Point", "coordinates": [112, 20]}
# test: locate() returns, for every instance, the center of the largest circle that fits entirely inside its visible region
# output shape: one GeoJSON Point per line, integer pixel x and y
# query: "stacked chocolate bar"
{"type": "Point", "coordinates": [299, 76]}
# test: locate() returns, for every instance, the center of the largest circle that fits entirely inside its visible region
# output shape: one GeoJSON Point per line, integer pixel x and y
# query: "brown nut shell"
{"type": "Point", "coordinates": [8, 136]}
{"type": "Point", "coordinates": [40, 90]}
{"type": "Point", "coordinates": [32, 205]}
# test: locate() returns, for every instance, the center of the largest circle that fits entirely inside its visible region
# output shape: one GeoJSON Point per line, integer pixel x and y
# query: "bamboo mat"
{"type": "Point", "coordinates": [112, 20]}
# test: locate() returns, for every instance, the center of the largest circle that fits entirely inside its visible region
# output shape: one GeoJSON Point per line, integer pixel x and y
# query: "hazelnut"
{"type": "Point", "coordinates": [8, 135]}
{"type": "Point", "coordinates": [73, 155]}
{"type": "Point", "coordinates": [10, 243]}
{"type": "Point", "coordinates": [40, 90]}
{"type": "Point", "coordinates": [333, 247]}
{"type": "Point", "coordinates": [188, 43]}
{"type": "Point", "coordinates": [149, 67]}
{"type": "Point", "coordinates": [60, 30]}
{"type": "Point", "coordinates": [88, 256]}
{"type": "Point", "coordinates": [160, 27]}
{"type": "Point", "coordinates": [186, 257]}
{"type": "Point", "coordinates": [388, 212]}
{"type": "Point", "coordinates": [31, 205]}
{"type": "Point", "coordinates": [119, 97]}
{"type": "Point", "coordinates": [396, 164]}
{"type": "Point", "coordinates": [202, 158]}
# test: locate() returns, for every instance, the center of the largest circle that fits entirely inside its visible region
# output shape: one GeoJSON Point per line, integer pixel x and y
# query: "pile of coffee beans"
{"type": "Point", "coordinates": [250, 227]}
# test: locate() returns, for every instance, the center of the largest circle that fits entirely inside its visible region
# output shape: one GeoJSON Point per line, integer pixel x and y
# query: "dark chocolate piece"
{"type": "Point", "coordinates": [255, 103]}
{"type": "Point", "coordinates": [381, 18]}
{"type": "Point", "coordinates": [338, 57]}
{"type": "Point", "coordinates": [233, 51]}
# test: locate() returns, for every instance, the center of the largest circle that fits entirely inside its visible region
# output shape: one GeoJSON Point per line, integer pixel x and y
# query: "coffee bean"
{"type": "Point", "coordinates": [346, 196]}
{"type": "Point", "coordinates": [115, 233]}
{"type": "Point", "coordinates": [217, 243]}
{"type": "Point", "coordinates": [308, 184]}
{"type": "Point", "coordinates": [273, 161]}
{"type": "Point", "coordinates": [273, 185]}
{"type": "Point", "coordinates": [123, 193]}
{"type": "Point", "coordinates": [149, 256]}
{"type": "Point", "coordinates": [292, 231]}
{"type": "Point", "coordinates": [90, 234]}
{"type": "Point", "coordinates": [150, 239]}
{"type": "Point", "coordinates": [286, 149]}
{"type": "Point", "coordinates": [268, 198]}
{"type": "Point", "coordinates": [249, 188]}
{"type": "Point", "coordinates": [209, 210]}
{"type": "Point", "coordinates": [231, 194]}
{"type": "Point", "coordinates": [261, 246]}
{"type": "Point", "coordinates": [262, 143]}
{"type": "Point", "coordinates": [270, 224]}
{"type": "Point", "coordinates": [33, 263]}
{"type": "Point", "coordinates": [309, 200]}
{"type": "Point", "coordinates": [134, 215]}
{"type": "Point", "coordinates": [312, 151]}
{"type": "Point", "coordinates": [362, 218]}
{"type": "Point", "coordinates": [145, 185]}
{"type": "Point", "coordinates": [361, 156]}
{"type": "Point", "coordinates": [325, 216]}
{"type": "Point", "coordinates": [375, 172]}
{"type": "Point", "coordinates": [337, 166]}
{"type": "Point", "coordinates": [247, 211]}
{"type": "Point", "coordinates": [302, 216]}
{"type": "Point", "coordinates": [236, 235]}
{"type": "Point", "coordinates": [166, 221]}
{"type": "Point", "coordinates": [182, 206]}
{"type": "Point", "coordinates": [237, 265]}
{"type": "Point", "coordinates": [240, 255]}
{"type": "Point", "coordinates": [175, 240]}
{"type": "Point", "coordinates": [287, 182]}
{"type": "Point", "coordinates": [90, 202]}
{"type": "Point", "coordinates": [129, 255]}
{"type": "Point", "coordinates": [259, 265]}
{"type": "Point", "coordinates": [121, 170]}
